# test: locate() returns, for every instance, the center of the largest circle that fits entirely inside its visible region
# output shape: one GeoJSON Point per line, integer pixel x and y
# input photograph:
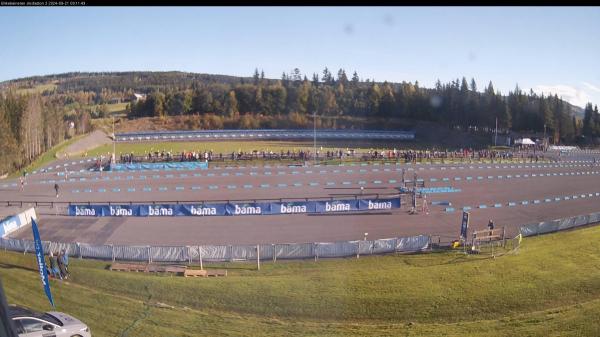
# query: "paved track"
{"type": "Point", "coordinates": [478, 184]}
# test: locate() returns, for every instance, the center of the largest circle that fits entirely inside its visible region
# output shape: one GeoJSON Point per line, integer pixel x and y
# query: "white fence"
{"type": "Point", "coordinates": [222, 253]}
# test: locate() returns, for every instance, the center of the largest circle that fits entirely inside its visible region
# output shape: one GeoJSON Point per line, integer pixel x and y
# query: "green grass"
{"type": "Point", "coordinates": [38, 89]}
{"type": "Point", "coordinates": [551, 287]}
{"type": "Point", "coordinates": [111, 108]}
{"type": "Point", "coordinates": [248, 146]}
{"type": "Point", "coordinates": [46, 158]}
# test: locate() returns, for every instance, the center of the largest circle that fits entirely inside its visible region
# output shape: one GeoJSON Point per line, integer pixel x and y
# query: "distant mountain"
{"type": "Point", "coordinates": [576, 111]}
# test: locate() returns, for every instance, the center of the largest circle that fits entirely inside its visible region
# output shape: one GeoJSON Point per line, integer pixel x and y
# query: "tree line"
{"type": "Point", "coordinates": [457, 104]}
{"type": "Point", "coordinates": [33, 124]}
{"type": "Point", "coordinates": [36, 122]}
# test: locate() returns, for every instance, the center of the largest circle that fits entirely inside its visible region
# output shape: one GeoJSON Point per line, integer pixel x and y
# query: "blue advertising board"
{"type": "Point", "coordinates": [160, 166]}
{"type": "Point", "coordinates": [235, 209]}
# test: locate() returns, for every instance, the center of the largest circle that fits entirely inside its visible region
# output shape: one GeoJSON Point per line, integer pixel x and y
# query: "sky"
{"type": "Point", "coordinates": [547, 49]}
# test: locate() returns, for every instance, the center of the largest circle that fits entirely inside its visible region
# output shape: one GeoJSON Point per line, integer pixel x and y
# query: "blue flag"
{"type": "Point", "coordinates": [39, 253]}
{"type": "Point", "coordinates": [464, 225]}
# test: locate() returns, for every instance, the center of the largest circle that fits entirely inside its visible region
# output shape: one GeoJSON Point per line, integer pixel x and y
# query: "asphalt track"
{"type": "Point", "coordinates": [550, 190]}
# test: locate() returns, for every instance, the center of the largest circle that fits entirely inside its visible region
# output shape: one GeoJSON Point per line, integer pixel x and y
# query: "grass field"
{"type": "Point", "coordinates": [551, 287]}
{"type": "Point", "coordinates": [110, 107]}
{"type": "Point", "coordinates": [39, 89]}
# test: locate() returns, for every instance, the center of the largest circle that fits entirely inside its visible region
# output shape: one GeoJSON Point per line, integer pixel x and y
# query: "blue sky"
{"type": "Point", "coordinates": [547, 49]}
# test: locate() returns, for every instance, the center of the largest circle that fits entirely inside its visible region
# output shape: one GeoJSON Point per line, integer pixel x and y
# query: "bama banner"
{"type": "Point", "coordinates": [233, 209]}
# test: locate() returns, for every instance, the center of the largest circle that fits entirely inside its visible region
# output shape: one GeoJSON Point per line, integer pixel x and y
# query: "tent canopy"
{"type": "Point", "coordinates": [524, 141]}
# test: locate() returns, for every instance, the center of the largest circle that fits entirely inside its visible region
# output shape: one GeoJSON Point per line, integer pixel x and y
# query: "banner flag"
{"type": "Point", "coordinates": [39, 253]}
{"type": "Point", "coordinates": [464, 226]}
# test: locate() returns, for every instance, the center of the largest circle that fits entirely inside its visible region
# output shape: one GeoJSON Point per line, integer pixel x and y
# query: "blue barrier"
{"type": "Point", "coordinates": [159, 166]}
{"type": "Point", "coordinates": [482, 206]}
{"type": "Point", "coordinates": [264, 134]}
{"type": "Point", "coordinates": [449, 209]}
{"type": "Point", "coordinates": [512, 204]}
{"type": "Point", "coordinates": [497, 205]}
{"type": "Point", "coordinates": [441, 203]}
{"type": "Point", "coordinates": [466, 208]}
{"type": "Point", "coordinates": [233, 209]}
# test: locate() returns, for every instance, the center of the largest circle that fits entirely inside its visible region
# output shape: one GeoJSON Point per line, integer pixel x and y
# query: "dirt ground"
{"type": "Point", "coordinates": [93, 140]}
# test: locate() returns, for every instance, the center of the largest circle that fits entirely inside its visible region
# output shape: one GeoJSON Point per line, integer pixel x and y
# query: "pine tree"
{"type": "Point", "coordinates": [473, 85]}
{"type": "Point", "coordinates": [355, 79]}
{"type": "Point", "coordinates": [256, 76]}
{"type": "Point", "coordinates": [587, 120]}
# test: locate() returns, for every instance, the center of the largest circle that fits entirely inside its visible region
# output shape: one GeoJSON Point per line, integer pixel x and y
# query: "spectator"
{"type": "Point", "coordinates": [54, 266]}
{"type": "Point", "coordinates": [61, 266]}
{"type": "Point", "coordinates": [56, 189]}
{"type": "Point", "coordinates": [65, 258]}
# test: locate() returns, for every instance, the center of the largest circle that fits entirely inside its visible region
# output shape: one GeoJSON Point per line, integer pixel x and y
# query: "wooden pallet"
{"type": "Point", "coordinates": [195, 273]}
{"type": "Point", "coordinates": [148, 268]}
{"type": "Point", "coordinates": [205, 273]}
{"type": "Point", "coordinates": [129, 267]}
{"type": "Point", "coordinates": [216, 272]}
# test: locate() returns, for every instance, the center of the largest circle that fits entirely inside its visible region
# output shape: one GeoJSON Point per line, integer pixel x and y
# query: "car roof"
{"type": "Point", "coordinates": [16, 311]}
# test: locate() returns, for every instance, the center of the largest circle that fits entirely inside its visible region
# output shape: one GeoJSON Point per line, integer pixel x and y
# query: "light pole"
{"type": "Point", "coordinates": [314, 138]}
{"type": "Point", "coordinates": [114, 140]}
{"type": "Point", "coordinates": [496, 133]}
{"type": "Point", "coordinates": [544, 141]}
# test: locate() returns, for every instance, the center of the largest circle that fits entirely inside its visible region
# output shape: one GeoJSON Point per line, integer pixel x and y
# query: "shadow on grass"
{"type": "Point", "coordinates": [14, 266]}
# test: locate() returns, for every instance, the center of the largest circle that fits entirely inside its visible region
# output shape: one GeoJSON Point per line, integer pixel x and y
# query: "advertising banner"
{"type": "Point", "coordinates": [39, 253]}
{"type": "Point", "coordinates": [236, 209]}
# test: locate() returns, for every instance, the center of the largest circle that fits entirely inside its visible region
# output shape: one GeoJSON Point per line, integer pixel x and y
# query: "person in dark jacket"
{"type": "Point", "coordinates": [61, 266]}
{"type": "Point", "coordinates": [54, 266]}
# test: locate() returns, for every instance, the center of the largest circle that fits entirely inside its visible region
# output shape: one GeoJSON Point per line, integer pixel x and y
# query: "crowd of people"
{"type": "Point", "coordinates": [59, 265]}
{"type": "Point", "coordinates": [394, 154]}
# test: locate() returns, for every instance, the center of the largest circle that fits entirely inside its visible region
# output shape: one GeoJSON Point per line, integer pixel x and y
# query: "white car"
{"type": "Point", "coordinates": [50, 324]}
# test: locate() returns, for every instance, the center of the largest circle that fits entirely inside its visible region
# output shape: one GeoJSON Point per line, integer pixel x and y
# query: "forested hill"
{"type": "Point", "coordinates": [39, 111]}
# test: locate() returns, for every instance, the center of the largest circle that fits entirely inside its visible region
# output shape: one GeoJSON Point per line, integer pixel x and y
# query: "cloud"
{"type": "Point", "coordinates": [570, 94]}
{"type": "Point", "coordinates": [591, 87]}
